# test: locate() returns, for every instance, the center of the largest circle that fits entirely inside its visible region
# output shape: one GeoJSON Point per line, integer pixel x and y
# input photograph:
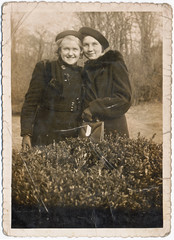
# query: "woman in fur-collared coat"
{"type": "Point", "coordinates": [106, 83]}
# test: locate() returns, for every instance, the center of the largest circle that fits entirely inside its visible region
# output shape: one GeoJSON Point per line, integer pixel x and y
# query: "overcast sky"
{"type": "Point", "coordinates": [48, 16]}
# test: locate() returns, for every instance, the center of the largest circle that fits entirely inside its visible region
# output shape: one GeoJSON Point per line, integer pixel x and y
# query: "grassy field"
{"type": "Point", "coordinates": [145, 119]}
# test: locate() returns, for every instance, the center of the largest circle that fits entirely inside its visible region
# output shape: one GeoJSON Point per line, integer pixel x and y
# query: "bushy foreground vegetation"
{"type": "Point", "coordinates": [117, 172]}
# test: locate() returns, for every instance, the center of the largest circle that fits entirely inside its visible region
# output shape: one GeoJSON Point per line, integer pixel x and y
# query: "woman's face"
{"type": "Point", "coordinates": [92, 48]}
{"type": "Point", "coordinates": [70, 51]}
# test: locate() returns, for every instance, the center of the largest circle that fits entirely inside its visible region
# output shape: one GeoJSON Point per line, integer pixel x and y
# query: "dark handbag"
{"type": "Point", "coordinates": [93, 130]}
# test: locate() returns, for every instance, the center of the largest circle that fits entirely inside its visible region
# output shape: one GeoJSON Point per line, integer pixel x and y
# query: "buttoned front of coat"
{"type": "Point", "coordinates": [63, 92]}
{"type": "Point", "coordinates": [53, 101]}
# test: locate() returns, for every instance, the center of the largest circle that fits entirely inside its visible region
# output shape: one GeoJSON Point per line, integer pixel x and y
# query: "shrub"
{"type": "Point", "coordinates": [117, 172]}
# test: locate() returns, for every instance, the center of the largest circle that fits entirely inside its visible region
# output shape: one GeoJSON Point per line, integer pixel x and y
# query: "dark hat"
{"type": "Point", "coordinates": [87, 31]}
{"type": "Point", "coordinates": [69, 32]}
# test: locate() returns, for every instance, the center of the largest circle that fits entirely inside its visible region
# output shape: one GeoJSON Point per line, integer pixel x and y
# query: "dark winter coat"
{"type": "Point", "coordinates": [108, 90]}
{"type": "Point", "coordinates": [52, 107]}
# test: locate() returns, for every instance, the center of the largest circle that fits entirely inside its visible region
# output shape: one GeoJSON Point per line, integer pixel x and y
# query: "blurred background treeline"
{"type": "Point", "coordinates": [137, 35]}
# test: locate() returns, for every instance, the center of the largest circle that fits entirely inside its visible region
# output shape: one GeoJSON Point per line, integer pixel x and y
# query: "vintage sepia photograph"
{"type": "Point", "coordinates": [86, 119]}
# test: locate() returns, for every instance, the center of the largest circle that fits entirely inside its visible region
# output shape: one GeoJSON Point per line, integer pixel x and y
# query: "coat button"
{"type": "Point", "coordinates": [63, 67]}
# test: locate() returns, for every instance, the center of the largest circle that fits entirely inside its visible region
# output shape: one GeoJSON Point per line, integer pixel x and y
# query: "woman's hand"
{"type": "Point", "coordinates": [26, 143]}
{"type": "Point", "coordinates": [87, 115]}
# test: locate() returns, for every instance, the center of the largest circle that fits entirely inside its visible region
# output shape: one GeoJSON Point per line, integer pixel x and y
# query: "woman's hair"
{"type": "Point", "coordinates": [71, 38]}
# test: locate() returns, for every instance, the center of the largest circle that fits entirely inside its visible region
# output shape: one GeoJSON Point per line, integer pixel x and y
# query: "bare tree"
{"type": "Point", "coordinates": [40, 36]}
{"type": "Point", "coordinates": [134, 34]}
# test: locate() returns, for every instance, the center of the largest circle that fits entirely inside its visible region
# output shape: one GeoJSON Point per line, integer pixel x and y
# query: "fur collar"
{"type": "Point", "coordinates": [107, 58]}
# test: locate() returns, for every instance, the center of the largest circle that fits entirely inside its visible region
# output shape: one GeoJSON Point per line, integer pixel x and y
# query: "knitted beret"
{"type": "Point", "coordinates": [69, 32]}
{"type": "Point", "coordinates": [87, 31]}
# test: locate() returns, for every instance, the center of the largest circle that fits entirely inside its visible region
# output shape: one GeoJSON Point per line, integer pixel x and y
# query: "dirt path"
{"type": "Point", "coordinates": [144, 118]}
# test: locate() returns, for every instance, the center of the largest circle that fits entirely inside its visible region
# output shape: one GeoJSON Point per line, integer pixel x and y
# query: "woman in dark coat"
{"type": "Point", "coordinates": [106, 81]}
{"type": "Point", "coordinates": [52, 107]}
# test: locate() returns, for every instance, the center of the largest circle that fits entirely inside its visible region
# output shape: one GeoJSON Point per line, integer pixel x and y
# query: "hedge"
{"type": "Point", "coordinates": [117, 172]}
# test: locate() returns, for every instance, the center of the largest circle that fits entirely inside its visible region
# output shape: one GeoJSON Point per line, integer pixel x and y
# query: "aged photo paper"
{"type": "Point", "coordinates": [104, 184]}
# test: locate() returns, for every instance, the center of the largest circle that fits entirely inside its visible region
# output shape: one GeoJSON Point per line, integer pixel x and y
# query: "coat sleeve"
{"type": "Point", "coordinates": [32, 99]}
{"type": "Point", "coordinates": [120, 101]}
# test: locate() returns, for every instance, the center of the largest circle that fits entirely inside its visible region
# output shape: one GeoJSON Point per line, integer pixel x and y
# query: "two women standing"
{"type": "Point", "coordinates": [53, 104]}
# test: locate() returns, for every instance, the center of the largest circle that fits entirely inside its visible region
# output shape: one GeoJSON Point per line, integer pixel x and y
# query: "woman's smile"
{"type": "Point", "coordinates": [92, 48]}
{"type": "Point", "coordinates": [70, 52]}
